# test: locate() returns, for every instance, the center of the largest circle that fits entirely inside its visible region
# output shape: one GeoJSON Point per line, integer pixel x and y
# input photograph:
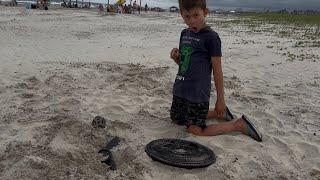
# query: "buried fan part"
{"type": "Point", "coordinates": [99, 122]}
{"type": "Point", "coordinates": [106, 151]}
{"type": "Point", "coordinates": [180, 153]}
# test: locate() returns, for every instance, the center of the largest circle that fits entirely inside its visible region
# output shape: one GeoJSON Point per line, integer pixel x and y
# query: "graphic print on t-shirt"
{"type": "Point", "coordinates": [186, 52]}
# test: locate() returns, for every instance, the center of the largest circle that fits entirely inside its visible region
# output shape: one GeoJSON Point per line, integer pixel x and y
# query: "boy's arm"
{"type": "Point", "coordinates": [220, 106]}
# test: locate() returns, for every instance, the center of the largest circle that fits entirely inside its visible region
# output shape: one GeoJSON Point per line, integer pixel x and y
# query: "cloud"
{"type": "Point", "coordinates": [275, 4]}
{"type": "Point", "coordinates": [161, 3]}
{"type": "Point", "coordinates": [294, 4]}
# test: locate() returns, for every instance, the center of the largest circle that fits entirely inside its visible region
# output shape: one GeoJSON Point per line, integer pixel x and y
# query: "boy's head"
{"type": "Point", "coordinates": [190, 4]}
{"type": "Point", "coordinates": [194, 13]}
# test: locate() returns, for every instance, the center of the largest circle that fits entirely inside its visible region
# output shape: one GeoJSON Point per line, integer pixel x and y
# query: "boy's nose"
{"type": "Point", "coordinates": [192, 21]}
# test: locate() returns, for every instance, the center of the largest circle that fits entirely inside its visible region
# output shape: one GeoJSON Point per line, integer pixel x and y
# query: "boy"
{"type": "Point", "coordinates": [198, 55]}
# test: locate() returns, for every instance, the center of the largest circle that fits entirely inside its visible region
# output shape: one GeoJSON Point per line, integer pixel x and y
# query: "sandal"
{"type": "Point", "coordinates": [252, 130]}
{"type": "Point", "coordinates": [229, 116]}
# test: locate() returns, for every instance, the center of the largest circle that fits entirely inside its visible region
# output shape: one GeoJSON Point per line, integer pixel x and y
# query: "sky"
{"type": "Point", "coordinates": [260, 4]}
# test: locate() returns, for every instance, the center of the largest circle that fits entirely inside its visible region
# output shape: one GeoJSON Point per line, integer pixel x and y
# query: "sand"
{"type": "Point", "coordinates": [61, 68]}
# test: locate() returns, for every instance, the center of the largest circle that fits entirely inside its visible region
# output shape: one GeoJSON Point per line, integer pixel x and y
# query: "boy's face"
{"type": "Point", "coordinates": [195, 18]}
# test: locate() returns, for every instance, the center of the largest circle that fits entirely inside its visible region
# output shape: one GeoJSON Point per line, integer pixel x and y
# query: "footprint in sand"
{"type": "Point", "coordinates": [59, 80]}
{"type": "Point", "coordinates": [157, 102]}
{"type": "Point", "coordinates": [136, 100]}
{"type": "Point", "coordinates": [282, 146]}
{"type": "Point", "coordinates": [70, 102]}
{"type": "Point", "coordinates": [33, 80]}
{"type": "Point", "coordinates": [26, 95]}
{"type": "Point", "coordinates": [2, 89]}
{"type": "Point", "coordinates": [21, 86]}
{"type": "Point", "coordinates": [28, 83]}
{"type": "Point", "coordinates": [188, 177]}
{"type": "Point", "coordinates": [310, 151]}
{"type": "Point", "coordinates": [255, 168]}
{"type": "Point", "coordinates": [265, 119]}
{"type": "Point", "coordinates": [114, 111]}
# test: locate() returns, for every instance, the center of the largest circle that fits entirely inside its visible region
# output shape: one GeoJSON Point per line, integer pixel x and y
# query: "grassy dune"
{"type": "Point", "coordinates": [302, 30]}
{"type": "Point", "coordinates": [276, 18]}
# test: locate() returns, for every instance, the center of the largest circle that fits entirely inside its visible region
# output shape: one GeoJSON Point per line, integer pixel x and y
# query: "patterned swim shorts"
{"type": "Point", "coordinates": [184, 112]}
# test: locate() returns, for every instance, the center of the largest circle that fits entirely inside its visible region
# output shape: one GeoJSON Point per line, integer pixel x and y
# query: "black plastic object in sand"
{"type": "Point", "coordinates": [99, 122]}
{"type": "Point", "coordinates": [106, 152]}
{"type": "Point", "coordinates": [180, 153]}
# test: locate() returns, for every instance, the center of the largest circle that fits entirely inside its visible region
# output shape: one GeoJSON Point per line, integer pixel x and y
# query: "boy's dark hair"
{"type": "Point", "coordinates": [189, 4]}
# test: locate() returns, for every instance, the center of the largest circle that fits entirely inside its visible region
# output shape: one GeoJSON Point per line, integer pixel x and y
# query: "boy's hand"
{"type": "Point", "coordinates": [220, 109]}
{"type": "Point", "coordinates": [175, 55]}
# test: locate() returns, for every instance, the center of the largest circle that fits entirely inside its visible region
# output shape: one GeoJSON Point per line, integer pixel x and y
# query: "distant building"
{"type": "Point", "coordinates": [157, 9]}
{"type": "Point", "coordinates": [173, 9]}
{"type": "Point", "coordinates": [306, 12]}
{"type": "Point", "coordinates": [9, 2]}
{"type": "Point", "coordinates": [283, 11]}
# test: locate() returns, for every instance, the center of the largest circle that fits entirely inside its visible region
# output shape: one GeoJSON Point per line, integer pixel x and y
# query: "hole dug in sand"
{"type": "Point", "coordinates": [117, 155]}
{"type": "Point", "coordinates": [122, 155]}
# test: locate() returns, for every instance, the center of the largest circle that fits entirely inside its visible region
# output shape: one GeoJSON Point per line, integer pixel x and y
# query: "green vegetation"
{"type": "Point", "coordinates": [283, 18]}
{"type": "Point", "coordinates": [303, 31]}
{"type": "Point", "coordinates": [307, 44]}
{"type": "Point", "coordinates": [301, 57]}
{"type": "Point", "coordinates": [303, 28]}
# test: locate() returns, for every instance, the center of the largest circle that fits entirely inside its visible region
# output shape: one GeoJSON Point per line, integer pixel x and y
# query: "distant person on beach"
{"type": "Point", "coordinates": [134, 6]}
{"type": "Point", "coordinates": [120, 9]}
{"type": "Point", "coordinates": [100, 9]}
{"type": "Point", "coordinates": [199, 55]}
{"type": "Point", "coordinates": [146, 7]}
{"type": "Point", "coordinates": [125, 8]}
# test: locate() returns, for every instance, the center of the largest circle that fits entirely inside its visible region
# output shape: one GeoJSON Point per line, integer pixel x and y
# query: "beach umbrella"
{"type": "Point", "coordinates": [120, 2]}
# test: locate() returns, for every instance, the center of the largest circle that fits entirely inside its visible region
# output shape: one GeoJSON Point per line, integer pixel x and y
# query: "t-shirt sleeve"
{"type": "Point", "coordinates": [214, 46]}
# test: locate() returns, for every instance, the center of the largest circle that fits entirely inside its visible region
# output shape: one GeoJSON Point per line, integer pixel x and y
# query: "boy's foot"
{"type": "Point", "coordinates": [251, 130]}
{"type": "Point", "coordinates": [229, 116]}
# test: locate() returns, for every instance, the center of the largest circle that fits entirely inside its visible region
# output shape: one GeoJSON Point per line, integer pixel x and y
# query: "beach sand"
{"type": "Point", "coordinates": [61, 68]}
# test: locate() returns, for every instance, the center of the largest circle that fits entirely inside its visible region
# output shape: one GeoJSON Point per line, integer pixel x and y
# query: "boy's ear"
{"type": "Point", "coordinates": [206, 12]}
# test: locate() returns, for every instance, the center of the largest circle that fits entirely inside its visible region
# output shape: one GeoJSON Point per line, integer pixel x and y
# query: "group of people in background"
{"type": "Point", "coordinates": [128, 9]}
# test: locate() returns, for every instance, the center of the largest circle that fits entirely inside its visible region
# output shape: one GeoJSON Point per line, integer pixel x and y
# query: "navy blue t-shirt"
{"type": "Point", "coordinates": [193, 81]}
